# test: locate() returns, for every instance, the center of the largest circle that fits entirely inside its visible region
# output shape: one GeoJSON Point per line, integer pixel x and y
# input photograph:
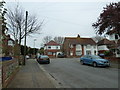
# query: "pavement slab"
{"type": "Point", "coordinates": [31, 76]}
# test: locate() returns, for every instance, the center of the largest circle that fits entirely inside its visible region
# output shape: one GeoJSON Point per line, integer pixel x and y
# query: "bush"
{"type": "Point", "coordinates": [107, 53]}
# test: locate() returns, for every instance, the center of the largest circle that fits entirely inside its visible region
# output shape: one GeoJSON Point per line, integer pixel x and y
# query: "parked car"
{"type": "Point", "coordinates": [43, 59]}
{"type": "Point", "coordinates": [102, 55]}
{"type": "Point", "coordinates": [94, 60]}
{"type": "Point", "coordinates": [27, 57]}
{"type": "Point", "coordinates": [61, 55]}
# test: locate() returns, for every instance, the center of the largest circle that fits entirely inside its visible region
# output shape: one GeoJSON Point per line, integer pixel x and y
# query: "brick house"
{"type": "Point", "coordinates": [52, 48]}
{"type": "Point", "coordinates": [7, 42]}
{"type": "Point", "coordinates": [77, 46]}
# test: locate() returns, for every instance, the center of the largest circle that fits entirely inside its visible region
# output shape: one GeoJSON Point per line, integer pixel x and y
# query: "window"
{"type": "Point", "coordinates": [88, 52]}
{"type": "Point", "coordinates": [70, 45]}
{"type": "Point", "coordinates": [118, 51]}
{"type": "Point", "coordinates": [95, 52]}
{"type": "Point", "coordinates": [71, 53]}
{"type": "Point", "coordinates": [49, 47]}
{"type": "Point", "coordinates": [10, 43]}
{"type": "Point", "coordinates": [78, 47]}
{"type": "Point", "coordinates": [78, 53]}
{"type": "Point", "coordinates": [116, 36]}
{"type": "Point", "coordinates": [49, 53]}
{"type": "Point", "coordinates": [88, 46]}
{"type": "Point", "coordinates": [94, 47]}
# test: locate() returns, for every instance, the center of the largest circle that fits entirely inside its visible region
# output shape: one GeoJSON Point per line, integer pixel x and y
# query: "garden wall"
{"type": "Point", "coordinates": [9, 68]}
{"type": "Point", "coordinates": [113, 59]}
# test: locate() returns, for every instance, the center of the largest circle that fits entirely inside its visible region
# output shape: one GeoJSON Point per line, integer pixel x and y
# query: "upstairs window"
{"type": "Point", "coordinates": [94, 47]}
{"type": "Point", "coordinates": [88, 46]}
{"type": "Point", "coordinates": [10, 43]}
{"type": "Point", "coordinates": [49, 47]}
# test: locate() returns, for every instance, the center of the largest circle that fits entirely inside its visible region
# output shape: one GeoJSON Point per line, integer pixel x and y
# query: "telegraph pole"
{"type": "Point", "coordinates": [25, 38]}
{"type": "Point", "coordinates": [34, 46]}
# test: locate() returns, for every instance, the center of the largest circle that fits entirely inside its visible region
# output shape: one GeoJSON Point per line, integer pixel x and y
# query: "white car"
{"type": "Point", "coordinates": [27, 57]}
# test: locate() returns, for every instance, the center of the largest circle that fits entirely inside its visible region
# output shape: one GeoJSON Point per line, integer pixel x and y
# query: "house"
{"type": "Point", "coordinates": [52, 48]}
{"type": "Point", "coordinates": [77, 46]}
{"type": "Point", "coordinates": [104, 45]}
{"type": "Point", "coordinates": [113, 36]}
{"type": "Point", "coordinates": [7, 42]}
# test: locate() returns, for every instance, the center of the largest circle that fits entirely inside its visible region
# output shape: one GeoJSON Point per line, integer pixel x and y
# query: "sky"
{"type": "Point", "coordinates": [65, 18]}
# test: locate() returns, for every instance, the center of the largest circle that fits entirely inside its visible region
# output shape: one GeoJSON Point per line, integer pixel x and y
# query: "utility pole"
{"type": "Point", "coordinates": [25, 38]}
{"type": "Point", "coordinates": [34, 47]}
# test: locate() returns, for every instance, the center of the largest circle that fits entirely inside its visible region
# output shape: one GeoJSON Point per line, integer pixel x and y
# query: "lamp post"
{"type": "Point", "coordinates": [25, 38]}
{"type": "Point", "coordinates": [116, 47]}
{"type": "Point", "coordinates": [34, 46]}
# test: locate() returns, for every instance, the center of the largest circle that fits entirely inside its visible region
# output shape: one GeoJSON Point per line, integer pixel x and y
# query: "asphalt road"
{"type": "Point", "coordinates": [69, 73]}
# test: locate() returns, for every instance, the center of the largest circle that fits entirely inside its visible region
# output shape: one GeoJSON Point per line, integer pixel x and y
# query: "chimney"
{"type": "Point", "coordinates": [78, 36]}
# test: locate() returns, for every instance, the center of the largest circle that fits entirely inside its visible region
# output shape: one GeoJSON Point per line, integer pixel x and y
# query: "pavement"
{"type": "Point", "coordinates": [32, 76]}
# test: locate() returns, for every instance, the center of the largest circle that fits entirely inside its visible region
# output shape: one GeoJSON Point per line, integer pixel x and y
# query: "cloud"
{"type": "Point", "coordinates": [61, 0]}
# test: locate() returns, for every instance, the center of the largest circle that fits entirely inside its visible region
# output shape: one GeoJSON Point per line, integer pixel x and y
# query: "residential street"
{"type": "Point", "coordinates": [69, 73]}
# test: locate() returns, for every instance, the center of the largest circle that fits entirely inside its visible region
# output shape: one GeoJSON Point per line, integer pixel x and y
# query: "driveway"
{"type": "Point", "coordinates": [69, 73]}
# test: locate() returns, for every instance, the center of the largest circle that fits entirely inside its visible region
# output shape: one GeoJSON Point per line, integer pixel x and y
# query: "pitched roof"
{"type": "Point", "coordinates": [82, 41]}
{"type": "Point", "coordinates": [105, 42]}
{"type": "Point", "coordinates": [52, 43]}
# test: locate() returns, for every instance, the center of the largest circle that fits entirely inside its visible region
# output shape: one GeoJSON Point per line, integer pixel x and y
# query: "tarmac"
{"type": "Point", "coordinates": [32, 76]}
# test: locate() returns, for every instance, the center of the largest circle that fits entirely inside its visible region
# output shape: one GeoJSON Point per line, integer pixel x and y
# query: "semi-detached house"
{"type": "Point", "coordinates": [52, 48]}
{"type": "Point", "coordinates": [77, 46]}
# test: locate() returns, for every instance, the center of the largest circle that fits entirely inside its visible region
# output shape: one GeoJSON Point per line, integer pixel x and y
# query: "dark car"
{"type": "Point", "coordinates": [94, 60]}
{"type": "Point", "coordinates": [61, 55]}
{"type": "Point", "coordinates": [43, 59]}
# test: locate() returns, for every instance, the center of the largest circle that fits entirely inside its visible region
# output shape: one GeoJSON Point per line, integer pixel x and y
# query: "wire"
{"type": "Point", "coordinates": [60, 20]}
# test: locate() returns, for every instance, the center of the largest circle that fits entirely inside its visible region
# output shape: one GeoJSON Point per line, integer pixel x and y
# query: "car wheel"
{"type": "Point", "coordinates": [94, 64]}
{"type": "Point", "coordinates": [81, 62]}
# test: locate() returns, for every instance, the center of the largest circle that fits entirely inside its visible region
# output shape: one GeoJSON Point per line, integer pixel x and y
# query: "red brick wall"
{"type": "Point", "coordinates": [115, 59]}
{"type": "Point", "coordinates": [8, 70]}
{"type": "Point", "coordinates": [82, 50]}
{"type": "Point", "coordinates": [74, 50]}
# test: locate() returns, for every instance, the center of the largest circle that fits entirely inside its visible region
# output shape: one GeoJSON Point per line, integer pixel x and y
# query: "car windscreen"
{"type": "Point", "coordinates": [96, 57]}
{"type": "Point", "coordinates": [44, 57]}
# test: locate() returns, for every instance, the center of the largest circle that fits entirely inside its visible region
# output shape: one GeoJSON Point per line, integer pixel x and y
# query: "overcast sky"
{"type": "Point", "coordinates": [63, 18]}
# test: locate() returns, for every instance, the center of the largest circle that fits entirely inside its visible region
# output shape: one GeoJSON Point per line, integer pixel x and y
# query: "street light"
{"type": "Point", "coordinates": [25, 38]}
{"type": "Point", "coordinates": [34, 45]}
{"type": "Point", "coordinates": [116, 42]}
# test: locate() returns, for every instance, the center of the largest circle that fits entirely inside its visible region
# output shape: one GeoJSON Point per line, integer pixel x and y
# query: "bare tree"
{"type": "Point", "coordinates": [16, 23]}
{"type": "Point", "coordinates": [59, 39]}
{"type": "Point", "coordinates": [47, 39]}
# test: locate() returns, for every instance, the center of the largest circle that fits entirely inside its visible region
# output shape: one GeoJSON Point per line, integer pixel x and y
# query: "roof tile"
{"type": "Point", "coordinates": [52, 43]}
